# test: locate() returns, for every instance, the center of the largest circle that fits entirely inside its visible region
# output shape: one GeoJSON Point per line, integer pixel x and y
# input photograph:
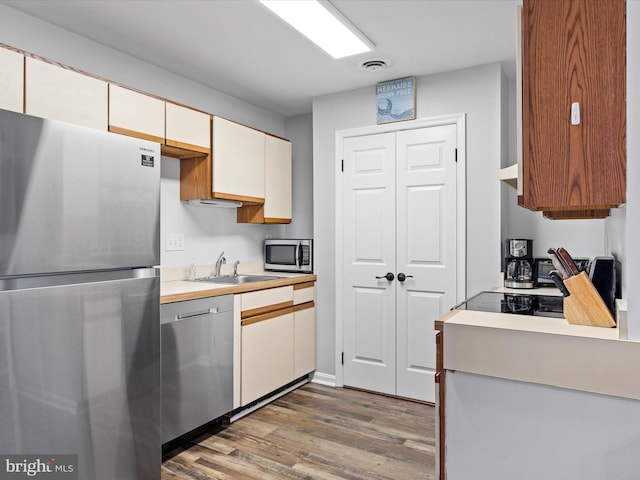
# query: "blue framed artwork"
{"type": "Point", "coordinates": [396, 100]}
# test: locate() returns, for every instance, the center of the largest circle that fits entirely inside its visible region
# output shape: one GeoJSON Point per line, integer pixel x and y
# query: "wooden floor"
{"type": "Point", "coordinates": [316, 432]}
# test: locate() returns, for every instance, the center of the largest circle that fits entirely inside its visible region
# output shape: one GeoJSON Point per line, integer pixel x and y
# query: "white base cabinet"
{"type": "Point", "coordinates": [267, 353]}
{"type": "Point", "coordinates": [277, 339]}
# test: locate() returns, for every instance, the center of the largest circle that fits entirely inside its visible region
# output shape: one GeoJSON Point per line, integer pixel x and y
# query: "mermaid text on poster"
{"type": "Point", "coordinates": [396, 100]}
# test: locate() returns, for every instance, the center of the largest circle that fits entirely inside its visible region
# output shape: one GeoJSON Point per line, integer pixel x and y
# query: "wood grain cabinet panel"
{"type": "Point", "coordinates": [574, 52]}
{"type": "Point", "coordinates": [11, 80]}
{"type": "Point", "coordinates": [136, 114]}
{"type": "Point", "coordinates": [63, 94]}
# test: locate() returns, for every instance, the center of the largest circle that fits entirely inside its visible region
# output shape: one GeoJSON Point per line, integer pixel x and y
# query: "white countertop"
{"type": "Point", "coordinates": [542, 350]}
{"type": "Point", "coordinates": [180, 290]}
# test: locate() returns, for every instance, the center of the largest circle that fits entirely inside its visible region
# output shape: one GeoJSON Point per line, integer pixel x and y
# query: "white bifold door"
{"type": "Point", "coordinates": [399, 256]}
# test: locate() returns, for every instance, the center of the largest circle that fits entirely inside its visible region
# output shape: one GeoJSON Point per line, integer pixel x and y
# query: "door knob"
{"type": "Point", "coordinates": [402, 277]}
{"type": "Point", "coordinates": [389, 276]}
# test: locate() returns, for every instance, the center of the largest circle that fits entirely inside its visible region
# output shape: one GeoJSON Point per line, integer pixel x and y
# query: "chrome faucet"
{"type": "Point", "coordinates": [219, 263]}
{"type": "Point", "coordinates": [235, 268]}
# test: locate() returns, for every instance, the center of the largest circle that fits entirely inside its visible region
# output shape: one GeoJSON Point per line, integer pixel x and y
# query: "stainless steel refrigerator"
{"type": "Point", "coordinates": [79, 297]}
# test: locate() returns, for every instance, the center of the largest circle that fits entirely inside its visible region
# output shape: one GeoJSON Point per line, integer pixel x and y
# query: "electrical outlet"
{"type": "Point", "coordinates": [174, 242]}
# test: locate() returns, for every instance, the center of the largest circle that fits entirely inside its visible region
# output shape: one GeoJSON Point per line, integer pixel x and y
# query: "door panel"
{"type": "Point", "coordinates": [369, 251]}
{"type": "Point", "coordinates": [426, 223]}
{"type": "Point", "coordinates": [399, 216]}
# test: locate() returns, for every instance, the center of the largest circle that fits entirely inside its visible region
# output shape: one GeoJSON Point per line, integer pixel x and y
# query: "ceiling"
{"type": "Point", "coordinates": [240, 48]}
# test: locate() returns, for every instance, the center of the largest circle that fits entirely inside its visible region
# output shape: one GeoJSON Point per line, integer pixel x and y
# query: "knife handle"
{"type": "Point", "coordinates": [567, 260]}
{"type": "Point", "coordinates": [557, 264]}
{"type": "Point", "coordinates": [559, 283]}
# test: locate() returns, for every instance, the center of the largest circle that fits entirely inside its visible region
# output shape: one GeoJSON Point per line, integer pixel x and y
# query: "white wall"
{"type": "Point", "coordinates": [207, 231]}
{"type": "Point", "coordinates": [474, 91]}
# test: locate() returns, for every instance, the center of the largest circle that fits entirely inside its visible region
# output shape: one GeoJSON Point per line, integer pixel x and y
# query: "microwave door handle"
{"type": "Point", "coordinates": [299, 255]}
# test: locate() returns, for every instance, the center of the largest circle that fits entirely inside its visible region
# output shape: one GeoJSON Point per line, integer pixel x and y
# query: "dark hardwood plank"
{"type": "Point", "coordinates": [316, 432]}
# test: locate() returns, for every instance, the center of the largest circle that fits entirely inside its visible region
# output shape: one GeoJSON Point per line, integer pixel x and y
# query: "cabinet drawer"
{"type": "Point", "coordinates": [262, 301]}
{"type": "Point", "coordinates": [304, 292]}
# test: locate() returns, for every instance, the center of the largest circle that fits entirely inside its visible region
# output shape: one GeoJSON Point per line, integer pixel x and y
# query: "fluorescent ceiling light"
{"type": "Point", "coordinates": [322, 24]}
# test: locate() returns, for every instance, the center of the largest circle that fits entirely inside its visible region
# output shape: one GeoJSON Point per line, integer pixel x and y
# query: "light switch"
{"type": "Point", "coordinates": [174, 242]}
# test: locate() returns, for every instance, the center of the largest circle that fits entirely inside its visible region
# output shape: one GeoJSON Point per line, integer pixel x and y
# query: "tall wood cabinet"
{"type": "Point", "coordinates": [574, 107]}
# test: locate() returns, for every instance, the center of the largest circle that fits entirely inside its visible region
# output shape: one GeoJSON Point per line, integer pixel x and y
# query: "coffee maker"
{"type": "Point", "coordinates": [518, 263]}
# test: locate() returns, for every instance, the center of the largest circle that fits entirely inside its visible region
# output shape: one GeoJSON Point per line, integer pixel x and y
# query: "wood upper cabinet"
{"type": "Point", "coordinates": [11, 80]}
{"type": "Point", "coordinates": [574, 107]}
{"type": "Point", "coordinates": [63, 94]}
{"type": "Point", "coordinates": [187, 128]}
{"type": "Point", "coordinates": [136, 114]}
{"type": "Point", "coordinates": [238, 159]}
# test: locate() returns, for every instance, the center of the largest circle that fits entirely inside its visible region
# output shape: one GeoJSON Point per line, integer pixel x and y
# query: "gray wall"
{"type": "Point", "coordinates": [474, 91]}
{"type": "Point", "coordinates": [299, 130]}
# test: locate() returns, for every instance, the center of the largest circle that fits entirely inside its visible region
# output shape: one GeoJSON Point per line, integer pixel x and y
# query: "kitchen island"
{"type": "Point", "coordinates": [524, 397]}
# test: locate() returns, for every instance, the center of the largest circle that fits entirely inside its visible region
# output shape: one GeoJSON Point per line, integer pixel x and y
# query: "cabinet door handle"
{"type": "Point", "coordinates": [402, 277]}
{"type": "Point", "coordinates": [389, 276]}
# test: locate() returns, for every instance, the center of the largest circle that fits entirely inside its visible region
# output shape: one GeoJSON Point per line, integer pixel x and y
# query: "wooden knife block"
{"type": "Point", "coordinates": [585, 305]}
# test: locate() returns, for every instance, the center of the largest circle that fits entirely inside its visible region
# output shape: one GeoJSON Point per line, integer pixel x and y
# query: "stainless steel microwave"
{"type": "Point", "coordinates": [288, 255]}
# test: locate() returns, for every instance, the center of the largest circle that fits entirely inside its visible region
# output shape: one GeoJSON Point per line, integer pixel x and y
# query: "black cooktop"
{"type": "Point", "coordinates": [515, 303]}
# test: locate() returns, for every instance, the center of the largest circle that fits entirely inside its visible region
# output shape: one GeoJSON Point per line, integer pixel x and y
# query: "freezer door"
{"type": "Point", "coordinates": [73, 198]}
{"type": "Point", "coordinates": [80, 375]}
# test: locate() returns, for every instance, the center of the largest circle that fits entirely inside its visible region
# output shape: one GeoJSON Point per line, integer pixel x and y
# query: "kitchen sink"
{"type": "Point", "coordinates": [238, 279]}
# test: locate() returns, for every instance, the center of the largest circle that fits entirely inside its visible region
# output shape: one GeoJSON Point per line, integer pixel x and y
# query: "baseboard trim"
{"type": "Point", "coordinates": [324, 379]}
{"type": "Point", "coordinates": [266, 400]}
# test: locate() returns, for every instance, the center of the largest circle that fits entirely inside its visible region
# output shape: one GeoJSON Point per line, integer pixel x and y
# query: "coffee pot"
{"type": "Point", "coordinates": [518, 263]}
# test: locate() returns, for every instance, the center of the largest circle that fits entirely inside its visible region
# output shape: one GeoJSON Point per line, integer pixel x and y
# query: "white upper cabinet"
{"type": "Point", "coordinates": [277, 203]}
{"type": "Point", "coordinates": [136, 114]}
{"type": "Point", "coordinates": [61, 94]}
{"type": "Point", "coordinates": [238, 161]}
{"type": "Point", "coordinates": [11, 80]}
{"type": "Point", "coordinates": [187, 128]}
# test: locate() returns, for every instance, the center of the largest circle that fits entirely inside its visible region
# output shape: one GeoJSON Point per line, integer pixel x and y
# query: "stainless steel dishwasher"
{"type": "Point", "coordinates": [197, 363]}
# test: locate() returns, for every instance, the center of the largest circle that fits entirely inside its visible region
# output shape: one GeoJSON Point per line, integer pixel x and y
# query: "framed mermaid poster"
{"type": "Point", "coordinates": [396, 100]}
